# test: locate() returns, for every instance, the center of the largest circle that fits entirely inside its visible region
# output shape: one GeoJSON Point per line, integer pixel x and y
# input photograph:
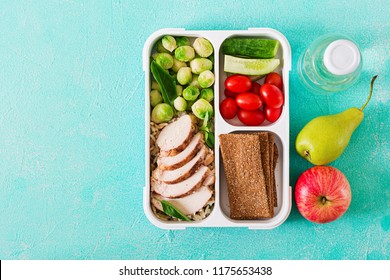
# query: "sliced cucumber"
{"type": "Point", "coordinates": [250, 47]}
{"type": "Point", "coordinates": [250, 66]}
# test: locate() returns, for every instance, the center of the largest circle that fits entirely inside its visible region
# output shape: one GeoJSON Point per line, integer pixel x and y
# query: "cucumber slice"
{"type": "Point", "coordinates": [250, 66]}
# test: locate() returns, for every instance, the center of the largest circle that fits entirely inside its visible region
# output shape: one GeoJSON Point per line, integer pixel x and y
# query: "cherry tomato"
{"type": "Point", "coordinates": [255, 117]}
{"type": "Point", "coordinates": [272, 114]}
{"type": "Point", "coordinates": [255, 88]}
{"type": "Point", "coordinates": [228, 108]}
{"type": "Point", "coordinates": [275, 79]}
{"type": "Point", "coordinates": [271, 95]}
{"type": "Point", "coordinates": [248, 101]}
{"type": "Point", "coordinates": [238, 83]}
{"type": "Point", "coordinates": [229, 93]}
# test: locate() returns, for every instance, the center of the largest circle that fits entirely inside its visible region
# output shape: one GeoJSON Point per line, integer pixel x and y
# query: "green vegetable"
{"type": "Point", "coordinates": [177, 64]}
{"type": "Point", "coordinates": [182, 41]}
{"type": "Point", "coordinates": [172, 211]}
{"type": "Point", "coordinates": [165, 60]}
{"type": "Point", "coordinates": [179, 90]}
{"type": "Point", "coordinates": [207, 94]}
{"type": "Point", "coordinates": [180, 104]}
{"type": "Point", "coordinates": [169, 43]}
{"type": "Point", "coordinates": [155, 97]}
{"type": "Point", "coordinates": [206, 128]}
{"type": "Point", "coordinates": [203, 47]}
{"type": "Point", "coordinates": [198, 65]}
{"type": "Point", "coordinates": [201, 107]}
{"type": "Point", "coordinates": [166, 83]}
{"type": "Point", "coordinates": [184, 53]}
{"type": "Point", "coordinates": [184, 75]}
{"type": "Point", "coordinates": [160, 48]}
{"type": "Point", "coordinates": [250, 47]}
{"type": "Point", "coordinates": [206, 79]}
{"type": "Point", "coordinates": [190, 93]}
{"type": "Point", "coordinates": [250, 66]}
{"type": "Point", "coordinates": [163, 112]}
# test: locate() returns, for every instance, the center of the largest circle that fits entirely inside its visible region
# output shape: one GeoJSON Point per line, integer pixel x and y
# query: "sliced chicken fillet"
{"type": "Point", "coordinates": [182, 173]}
{"type": "Point", "coordinates": [175, 136]}
{"type": "Point", "coordinates": [182, 188]}
{"type": "Point", "coordinates": [174, 162]}
{"type": "Point", "coordinates": [189, 204]}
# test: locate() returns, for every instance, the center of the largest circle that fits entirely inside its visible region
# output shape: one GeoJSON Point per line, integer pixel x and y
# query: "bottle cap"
{"type": "Point", "coordinates": [342, 57]}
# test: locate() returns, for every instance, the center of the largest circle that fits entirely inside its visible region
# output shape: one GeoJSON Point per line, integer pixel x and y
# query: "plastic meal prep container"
{"type": "Point", "coordinates": [219, 216]}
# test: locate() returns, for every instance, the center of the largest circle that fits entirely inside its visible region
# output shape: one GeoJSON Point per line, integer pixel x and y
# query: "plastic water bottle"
{"type": "Point", "coordinates": [331, 63]}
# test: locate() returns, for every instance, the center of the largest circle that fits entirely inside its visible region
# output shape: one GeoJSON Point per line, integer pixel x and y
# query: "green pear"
{"type": "Point", "coordinates": [324, 138]}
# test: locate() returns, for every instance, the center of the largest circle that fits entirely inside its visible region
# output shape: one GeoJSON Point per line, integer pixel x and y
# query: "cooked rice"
{"type": "Point", "coordinates": [155, 130]}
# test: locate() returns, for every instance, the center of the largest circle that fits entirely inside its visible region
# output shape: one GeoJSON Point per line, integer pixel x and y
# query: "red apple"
{"type": "Point", "coordinates": [322, 194]}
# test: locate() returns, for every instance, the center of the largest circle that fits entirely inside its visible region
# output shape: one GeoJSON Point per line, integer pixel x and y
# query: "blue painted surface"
{"type": "Point", "coordinates": [72, 131]}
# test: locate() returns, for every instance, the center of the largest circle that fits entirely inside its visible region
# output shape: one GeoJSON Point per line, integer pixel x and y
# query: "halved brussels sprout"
{"type": "Point", "coordinates": [200, 107]}
{"type": "Point", "coordinates": [165, 60]}
{"type": "Point", "coordinates": [162, 113]}
{"type": "Point", "coordinates": [206, 79]}
{"type": "Point", "coordinates": [203, 47]}
{"type": "Point", "coordinates": [190, 93]}
{"type": "Point", "coordinates": [198, 65]}
{"type": "Point", "coordinates": [184, 75]}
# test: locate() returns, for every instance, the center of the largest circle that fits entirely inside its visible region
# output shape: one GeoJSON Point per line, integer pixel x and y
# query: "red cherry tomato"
{"type": "Point", "coordinates": [272, 114]}
{"type": "Point", "coordinates": [229, 93]}
{"type": "Point", "coordinates": [248, 101]}
{"type": "Point", "coordinates": [271, 95]}
{"type": "Point", "coordinates": [238, 83]}
{"type": "Point", "coordinates": [255, 88]}
{"type": "Point", "coordinates": [255, 117]}
{"type": "Point", "coordinates": [228, 108]}
{"type": "Point", "coordinates": [275, 79]}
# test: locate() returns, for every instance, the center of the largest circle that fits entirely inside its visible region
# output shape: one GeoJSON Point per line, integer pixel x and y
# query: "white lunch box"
{"type": "Point", "coordinates": [220, 215]}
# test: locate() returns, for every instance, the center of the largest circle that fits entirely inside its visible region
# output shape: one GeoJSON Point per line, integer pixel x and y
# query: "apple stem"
{"type": "Point", "coordinates": [371, 88]}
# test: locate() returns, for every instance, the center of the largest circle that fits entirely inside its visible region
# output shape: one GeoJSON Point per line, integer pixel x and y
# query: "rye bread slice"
{"type": "Point", "coordinates": [266, 160]}
{"type": "Point", "coordinates": [275, 161]}
{"type": "Point", "coordinates": [247, 191]}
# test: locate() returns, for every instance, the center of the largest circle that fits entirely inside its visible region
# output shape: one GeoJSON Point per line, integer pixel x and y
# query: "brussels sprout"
{"type": "Point", "coordinates": [198, 65]}
{"type": "Point", "coordinates": [169, 43]}
{"type": "Point", "coordinates": [155, 97]}
{"type": "Point", "coordinates": [154, 56]}
{"type": "Point", "coordinates": [162, 113]}
{"type": "Point", "coordinates": [184, 75]}
{"type": "Point", "coordinates": [165, 60]}
{"type": "Point", "coordinates": [207, 94]}
{"type": "Point", "coordinates": [200, 107]}
{"type": "Point", "coordinates": [155, 85]}
{"type": "Point", "coordinates": [190, 93]}
{"type": "Point", "coordinates": [177, 64]}
{"type": "Point", "coordinates": [203, 47]}
{"type": "Point", "coordinates": [184, 53]}
{"type": "Point", "coordinates": [182, 41]}
{"type": "Point", "coordinates": [180, 104]}
{"type": "Point", "coordinates": [194, 81]}
{"type": "Point", "coordinates": [160, 48]}
{"type": "Point", "coordinates": [179, 90]}
{"type": "Point", "coordinates": [206, 79]}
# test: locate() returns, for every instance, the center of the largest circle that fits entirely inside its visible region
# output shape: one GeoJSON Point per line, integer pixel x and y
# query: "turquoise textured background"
{"type": "Point", "coordinates": [72, 130]}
